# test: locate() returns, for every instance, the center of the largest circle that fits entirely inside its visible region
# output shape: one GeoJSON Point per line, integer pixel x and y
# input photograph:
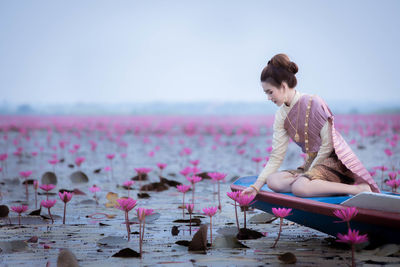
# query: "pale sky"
{"type": "Point", "coordinates": [137, 51]}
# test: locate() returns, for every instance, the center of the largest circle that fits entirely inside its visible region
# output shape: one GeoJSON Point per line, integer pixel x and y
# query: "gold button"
{"type": "Point", "coordinates": [306, 141]}
{"type": "Point", "coordinates": [306, 124]}
{"type": "Point", "coordinates": [307, 115]}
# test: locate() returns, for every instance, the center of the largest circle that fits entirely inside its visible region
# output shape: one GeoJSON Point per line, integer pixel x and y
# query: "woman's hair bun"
{"type": "Point", "coordinates": [293, 68]}
{"type": "Point", "coordinates": [279, 69]}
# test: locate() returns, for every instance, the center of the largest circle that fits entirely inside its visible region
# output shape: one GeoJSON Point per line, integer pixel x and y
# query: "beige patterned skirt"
{"type": "Point", "coordinates": [330, 169]}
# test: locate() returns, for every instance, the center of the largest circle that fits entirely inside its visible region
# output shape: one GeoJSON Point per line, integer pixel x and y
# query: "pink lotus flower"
{"type": "Point", "coordinates": [48, 204]}
{"type": "Point", "coordinates": [47, 187]}
{"type": "Point", "coordinates": [210, 212]}
{"type": "Point", "coordinates": [234, 195]}
{"type": "Point", "coordinates": [186, 171]}
{"type": "Point", "coordinates": [392, 175]}
{"type": "Point", "coordinates": [194, 162]}
{"type": "Point", "coordinates": [53, 161]}
{"type": "Point", "coordinates": [34, 153]}
{"type": "Point", "coordinates": [143, 170]}
{"type": "Point", "coordinates": [19, 210]}
{"type": "Point", "coordinates": [141, 214]}
{"type": "Point", "coordinates": [161, 166]}
{"type": "Point", "coordinates": [25, 175]}
{"type": "Point", "coordinates": [190, 208]}
{"type": "Point", "coordinates": [3, 156]}
{"type": "Point", "coordinates": [194, 179]}
{"type": "Point", "coordinates": [183, 189]}
{"type": "Point", "coordinates": [346, 214]}
{"type": "Point", "coordinates": [79, 161]}
{"type": "Point", "coordinates": [94, 189]}
{"type": "Point", "coordinates": [123, 155]}
{"type": "Point", "coordinates": [394, 184]}
{"type": "Point", "coordinates": [126, 205]}
{"type": "Point", "coordinates": [93, 145]}
{"type": "Point", "coordinates": [110, 156]}
{"type": "Point", "coordinates": [65, 197]}
{"type": "Point", "coordinates": [388, 152]}
{"type": "Point", "coordinates": [128, 184]}
{"type": "Point", "coordinates": [269, 149]}
{"type": "Point", "coordinates": [185, 151]}
{"type": "Point", "coordinates": [280, 213]}
{"type": "Point", "coordinates": [218, 176]}
{"type": "Point", "coordinates": [352, 237]}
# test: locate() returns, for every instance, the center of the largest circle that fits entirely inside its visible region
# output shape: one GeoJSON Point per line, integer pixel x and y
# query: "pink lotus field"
{"type": "Point", "coordinates": [78, 152]}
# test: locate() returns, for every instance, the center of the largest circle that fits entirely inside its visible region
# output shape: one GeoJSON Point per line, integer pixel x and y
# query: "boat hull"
{"type": "Point", "coordinates": [317, 213]}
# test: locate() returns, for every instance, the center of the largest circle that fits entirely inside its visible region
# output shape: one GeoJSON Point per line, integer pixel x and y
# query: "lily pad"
{"type": "Point", "coordinates": [49, 178]}
{"type": "Point", "coordinates": [4, 211]}
{"type": "Point", "coordinates": [79, 177]}
{"type": "Point", "coordinates": [157, 187]}
{"type": "Point", "coordinates": [112, 240]}
{"type": "Point", "coordinates": [13, 246]}
{"type": "Point", "coordinates": [246, 233]}
{"type": "Point", "coordinates": [227, 242]}
{"type": "Point", "coordinates": [199, 241]}
{"type": "Point", "coordinates": [88, 202]}
{"type": "Point", "coordinates": [66, 259]}
{"type": "Point", "coordinates": [287, 258]}
{"type": "Point", "coordinates": [175, 230]}
{"type": "Point", "coordinates": [149, 219]}
{"type": "Point", "coordinates": [262, 218]}
{"type": "Point", "coordinates": [127, 253]}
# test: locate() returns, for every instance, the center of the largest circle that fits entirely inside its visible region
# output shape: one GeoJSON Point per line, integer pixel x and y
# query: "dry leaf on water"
{"type": "Point", "coordinates": [112, 200]}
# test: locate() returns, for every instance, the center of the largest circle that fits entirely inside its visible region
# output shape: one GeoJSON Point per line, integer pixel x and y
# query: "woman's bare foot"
{"type": "Point", "coordinates": [359, 188]}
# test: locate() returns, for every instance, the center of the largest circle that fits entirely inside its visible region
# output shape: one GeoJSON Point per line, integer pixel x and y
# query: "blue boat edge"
{"type": "Point", "coordinates": [323, 220]}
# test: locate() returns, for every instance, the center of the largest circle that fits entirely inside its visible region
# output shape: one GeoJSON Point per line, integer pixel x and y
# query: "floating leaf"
{"type": "Point", "coordinates": [245, 234]}
{"type": "Point", "coordinates": [262, 218]}
{"type": "Point", "coordinates": [66, 258]}
{"type": "Point", "coordinates": [13, 246]}
{"type": "Point", "coordinates": [112, 200]}
{"type": "Point", "coordinates": [78, 177]}
{"type": "Point", "coordinates": [157, 187]}
{"type": "Point", "coordinates": [36, 212]}
{"type": "Point", "coordinates": [185, 243]}
{"type": "Point", "coordinates": [199, 241]}
{"type": "Point", "coordinates": [126, 253]}
{"type": "Point", "coordinates": [287, 258]}
{"type": "Point", "coordinates": [175, 230]}
{"type": "Point", "coordinates": [143, 195]}
{"type": "Point", "coordinates": [4, 211]}
{"type": "Point", "coordinates": [227, 242]}
{"type": "Point", "coordinates": [149, 219]}
{"type": "Point", "coordinates": [112, 240]}
{"type": "Point", "coordinates": [49, 178]}
{"type": "Point", "coordinates": [33, 239]}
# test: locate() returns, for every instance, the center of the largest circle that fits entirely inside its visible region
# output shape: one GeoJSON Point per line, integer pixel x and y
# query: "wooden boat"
{"type": "Point", "coordinates": [378, 214]}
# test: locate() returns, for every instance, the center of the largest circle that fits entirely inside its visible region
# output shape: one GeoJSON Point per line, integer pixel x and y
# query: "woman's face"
{"type": "Point", "coordinates": [275, 94]}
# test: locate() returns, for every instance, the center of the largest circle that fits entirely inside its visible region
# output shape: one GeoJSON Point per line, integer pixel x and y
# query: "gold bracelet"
{"type": "Point", "coordinates": [253, 186]}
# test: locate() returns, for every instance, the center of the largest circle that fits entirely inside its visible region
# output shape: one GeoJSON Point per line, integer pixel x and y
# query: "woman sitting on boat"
{"type": "Point", "coordinates": [330, 167]}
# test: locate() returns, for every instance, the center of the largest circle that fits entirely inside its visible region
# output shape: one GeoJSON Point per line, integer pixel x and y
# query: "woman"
{"type": "Point", "coordinates": [330, 167]}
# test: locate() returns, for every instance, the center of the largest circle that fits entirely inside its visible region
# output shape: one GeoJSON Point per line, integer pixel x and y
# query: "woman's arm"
{"type": "Point", "coordinates": [326, 147]}
{"type": "Point", "coordinates": [280, 141]}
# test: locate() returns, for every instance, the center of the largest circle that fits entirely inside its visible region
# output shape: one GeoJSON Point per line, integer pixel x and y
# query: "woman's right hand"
{"type": "Point", "coordinates": [251, 191]}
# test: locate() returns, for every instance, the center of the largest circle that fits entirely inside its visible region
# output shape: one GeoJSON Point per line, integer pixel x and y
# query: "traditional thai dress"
{"type": "Point", "coordinates": [310, 124]}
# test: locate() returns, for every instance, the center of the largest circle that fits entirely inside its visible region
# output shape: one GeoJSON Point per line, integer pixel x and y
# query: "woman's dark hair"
{"type": "Point", "coordinates": [280, 69]}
